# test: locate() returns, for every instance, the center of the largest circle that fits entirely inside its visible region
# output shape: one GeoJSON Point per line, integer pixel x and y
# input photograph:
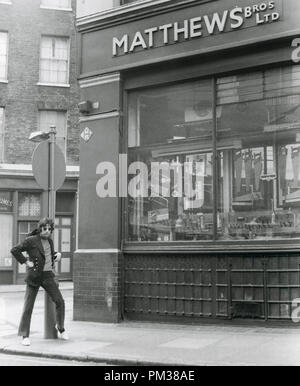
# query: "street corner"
{"type": "Point", "coordinates": [71, 347]}
{"type": "Point", "coordinates": [44, 348]}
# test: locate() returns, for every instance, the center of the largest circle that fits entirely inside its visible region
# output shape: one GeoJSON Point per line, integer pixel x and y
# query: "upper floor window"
{"type": "Point", "coordinates": [58, 119]}
{"type": "Point", "coordinates": [1, 134]}
{"type": "Point", "coordinates": [89, 7]}
{"type": "Point", "coordinates": [54, 60]}
{"type": "Point", "coordinates": [64, 4]}
{"type": "Point", "coordinates": [3, 55]}
{"type": "Point", "coordinates": [123, 2]}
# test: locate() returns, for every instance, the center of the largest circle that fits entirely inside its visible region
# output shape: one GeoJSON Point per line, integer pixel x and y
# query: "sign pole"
{"type": "Point", "coordinates": [49, 170]}
{"type": "Point", "coordinates": [50, 331]}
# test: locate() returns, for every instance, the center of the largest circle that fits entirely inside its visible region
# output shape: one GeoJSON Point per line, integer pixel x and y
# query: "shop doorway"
{"type": "Point", "coordinates": [63, 244]}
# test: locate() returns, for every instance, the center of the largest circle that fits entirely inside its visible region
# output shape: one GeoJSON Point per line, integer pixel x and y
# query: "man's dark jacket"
{"type": "Point", "coordinates": [34, 247]}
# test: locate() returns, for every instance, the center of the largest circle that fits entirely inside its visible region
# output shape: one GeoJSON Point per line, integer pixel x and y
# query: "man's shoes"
{"type": "Point", "coordinates": [26, 342]}
{"type": "Point", "coordinates": [62, 335]}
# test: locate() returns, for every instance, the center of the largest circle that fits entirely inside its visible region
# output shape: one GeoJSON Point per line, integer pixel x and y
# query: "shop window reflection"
{"type": "Point", "coordinates": [165, 127]}
{"type": "Point", "coordinates": [259, 192]}
{"type": "Point", "coordinates": [180, 206]}
{"type": "Point", "coordinates": [258, 164]}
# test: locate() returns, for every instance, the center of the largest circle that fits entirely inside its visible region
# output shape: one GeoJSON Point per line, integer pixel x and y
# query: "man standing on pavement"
{"type": "Point", "coordinates": [40, 273]}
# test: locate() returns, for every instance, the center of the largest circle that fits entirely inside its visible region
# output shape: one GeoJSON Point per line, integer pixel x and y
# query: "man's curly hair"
{"type": "Point", "coordinates": [46, 221]}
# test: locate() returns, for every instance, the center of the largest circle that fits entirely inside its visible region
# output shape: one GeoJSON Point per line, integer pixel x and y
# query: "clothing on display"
{"type": "Point", "coordinates": [258, 166]}
{"type": "Point", "coordinates": [282, 160]}
{"type": "Point", "coordinates": [238, 162]}
{"type": "Point", "coordinates": [248, 168]}
{"type": "Point", "coordinates": [296, 165]}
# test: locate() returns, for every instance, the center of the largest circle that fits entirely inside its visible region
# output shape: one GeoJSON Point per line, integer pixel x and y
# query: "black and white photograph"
{"type": "Point", "coordinates": [149, 186]}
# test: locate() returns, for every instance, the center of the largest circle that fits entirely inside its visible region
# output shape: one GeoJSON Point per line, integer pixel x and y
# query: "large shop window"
{"type": "Point", "coordinates": [259, 186]}
{"type": "Point", "coordinates": [255, 119]}
{"type": "Point", "coordinates": [174, 198]}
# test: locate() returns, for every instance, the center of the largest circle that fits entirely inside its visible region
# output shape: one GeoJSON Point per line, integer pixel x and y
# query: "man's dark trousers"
{"type": "Point", "coordinates": [51, 287]}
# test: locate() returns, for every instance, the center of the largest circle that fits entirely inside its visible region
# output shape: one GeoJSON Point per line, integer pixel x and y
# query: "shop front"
{"type": "Point", "coordinates": [22, 204]}
{"type": "Point", "coordinates": [190, 163]}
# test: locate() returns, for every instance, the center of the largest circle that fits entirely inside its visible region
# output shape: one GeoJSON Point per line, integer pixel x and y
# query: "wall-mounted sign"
{"type": "Point", "coordinates": [86, 134]}
{"type": "Point", "coordinates": [197, 27]}
{"type": "Point", "coordinates": [6, 202]}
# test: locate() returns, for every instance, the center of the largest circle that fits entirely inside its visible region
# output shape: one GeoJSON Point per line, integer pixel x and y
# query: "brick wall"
{"type": "Point", "coordinates": [22, 98]}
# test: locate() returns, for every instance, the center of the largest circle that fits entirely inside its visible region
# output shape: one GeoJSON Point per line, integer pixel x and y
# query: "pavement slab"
{"type": "Point", "coordinates": [146, 343]}
{"type": "Point", "coordinates": [134, 343]}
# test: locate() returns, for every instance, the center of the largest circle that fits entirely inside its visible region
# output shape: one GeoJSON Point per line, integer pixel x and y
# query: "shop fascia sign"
{"type": "Point", "coordinates": [196, 27]}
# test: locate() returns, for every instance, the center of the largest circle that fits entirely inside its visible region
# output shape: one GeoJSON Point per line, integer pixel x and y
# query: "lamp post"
{"type": "Point", "coordinates": [50, 331]}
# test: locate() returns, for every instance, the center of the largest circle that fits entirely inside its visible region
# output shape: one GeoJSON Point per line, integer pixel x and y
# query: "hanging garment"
{"type": "Point", "coordinates": [282, 158]}
{"type": "Point", "coordinates": [238, 164]}
{"type": "Point", "coordinates": [248, 168]}
{"type": "Point", "coordinates": [258, 166]}
{"type": "Point", "coordinates": [296, 165]}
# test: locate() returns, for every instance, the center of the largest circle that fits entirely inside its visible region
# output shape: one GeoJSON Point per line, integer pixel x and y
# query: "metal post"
{"type": "Point", "coordinates": [49, 320]}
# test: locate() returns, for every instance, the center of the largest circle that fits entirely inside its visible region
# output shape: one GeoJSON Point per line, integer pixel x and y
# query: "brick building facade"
{"type": "Point", "coordinates": [38, 88]}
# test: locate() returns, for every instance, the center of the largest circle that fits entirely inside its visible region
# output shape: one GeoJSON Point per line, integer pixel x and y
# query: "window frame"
{"type": "Point", "coordinates": [2, 137]}
{"type": "Point", "coordinates": [118, 9]}
{"type": "Point", "coordinates": [49, 84]}
{"type": "Point", "coordinates": [65, 112]}
{"type": "Point", "coordinates": [214, 245]}
{"type": "Point", "coordinates": [57, 8]}
{"type": "Point", "coordinates": [5, 78]}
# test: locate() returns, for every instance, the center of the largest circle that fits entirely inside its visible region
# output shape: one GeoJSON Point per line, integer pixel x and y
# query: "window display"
{"type": "Point", "coordinates": [259, 177]}
{"type": "Point", "coordinates": [182, 207]}
{"type": "Point", "coordinates": [257, 147]}
{"type": "Point", "coordinates": [164, 136]}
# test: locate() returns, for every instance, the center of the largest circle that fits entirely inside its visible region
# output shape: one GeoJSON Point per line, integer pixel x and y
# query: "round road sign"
{"type": "Point", "coordinates": [40, 166]}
